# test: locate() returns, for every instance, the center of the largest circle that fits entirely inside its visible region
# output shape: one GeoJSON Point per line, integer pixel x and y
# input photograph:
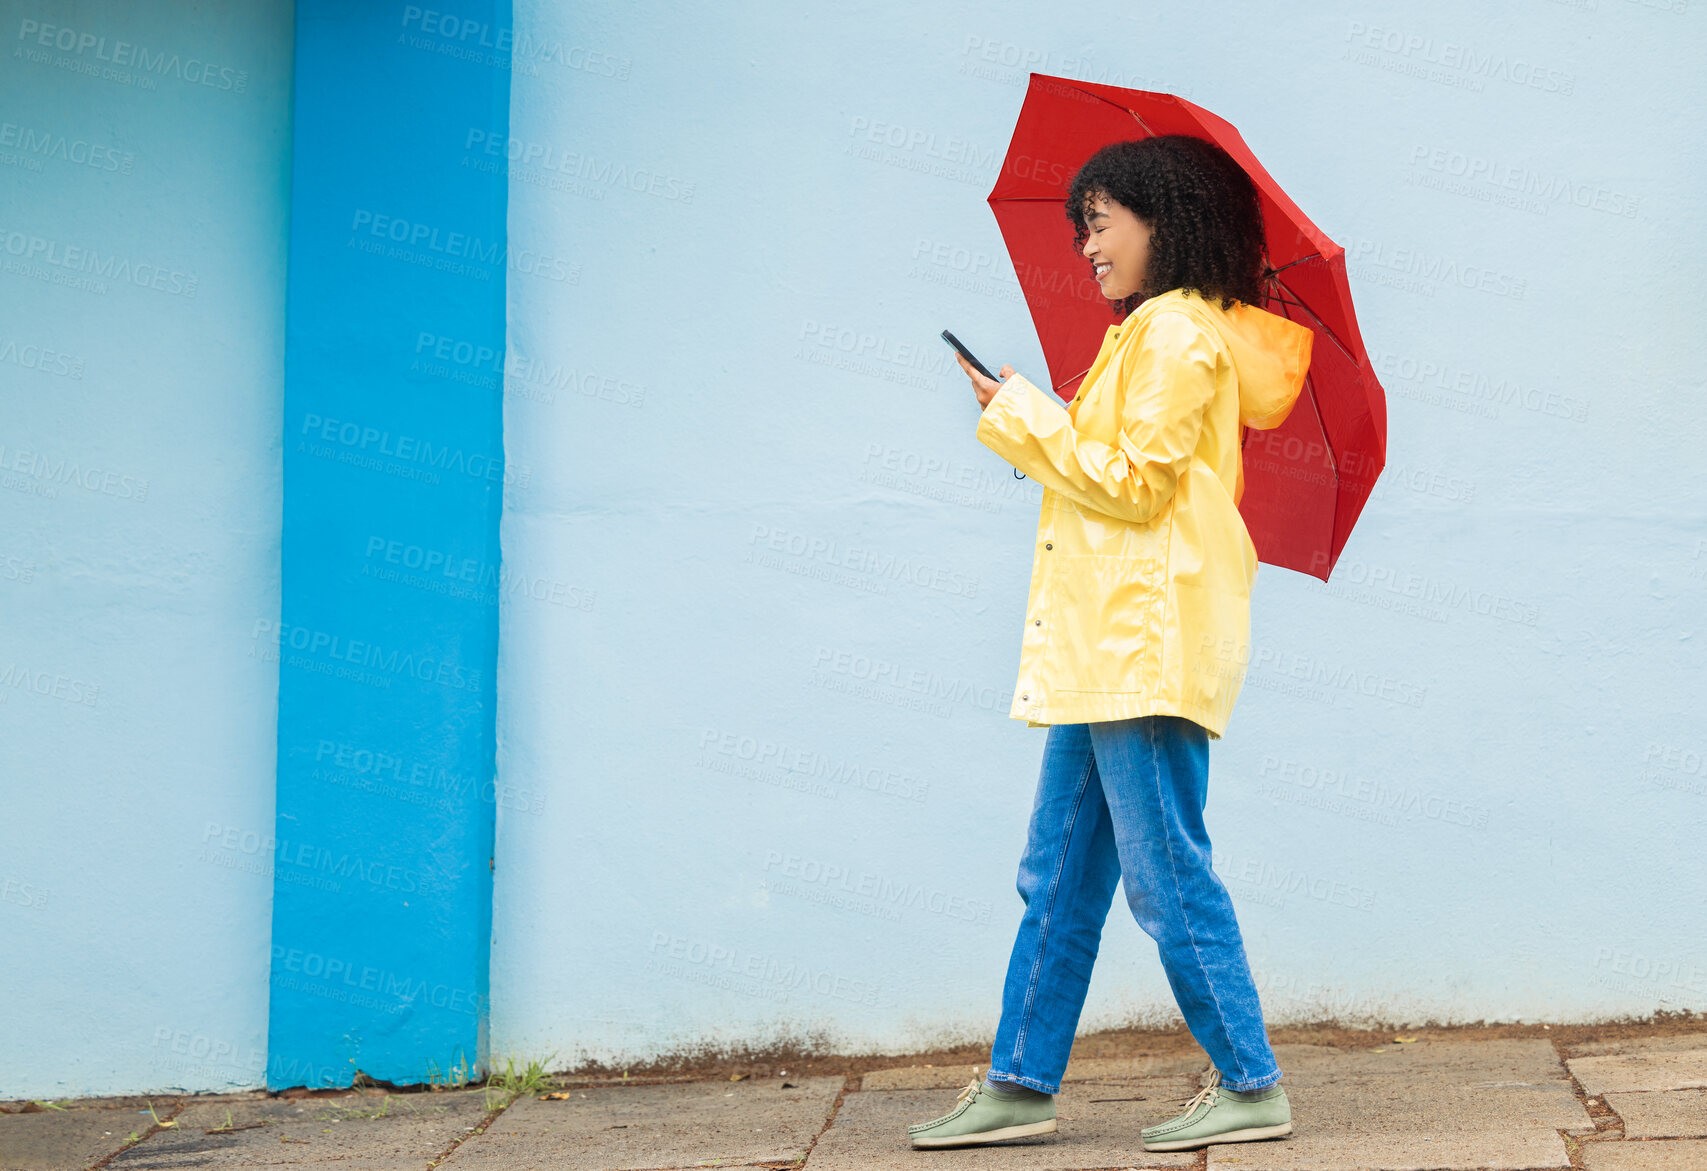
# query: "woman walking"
{"type": "Point", "coordinates": [1137, 629]}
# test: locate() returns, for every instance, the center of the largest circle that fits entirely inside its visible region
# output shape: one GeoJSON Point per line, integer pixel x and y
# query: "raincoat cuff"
{"type": "Point", "coordinates": [1019, 408]}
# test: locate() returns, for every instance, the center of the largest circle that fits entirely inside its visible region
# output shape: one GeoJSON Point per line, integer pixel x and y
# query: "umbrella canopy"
{"type": "Point", "coordinates": [1307, 480]}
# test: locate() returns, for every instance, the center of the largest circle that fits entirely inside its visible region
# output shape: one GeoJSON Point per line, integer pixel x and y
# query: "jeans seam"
{"type": "Point", "coordinates": [1049, 907]}
{"type": "Point", "coordinates": [1173, 866]}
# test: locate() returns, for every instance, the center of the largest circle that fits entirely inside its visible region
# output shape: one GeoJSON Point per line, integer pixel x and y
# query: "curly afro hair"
{"type": "Point", "coordinates": [1203, 210]}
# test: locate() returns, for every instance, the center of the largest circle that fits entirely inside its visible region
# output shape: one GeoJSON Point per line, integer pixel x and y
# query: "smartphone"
{"type": "Point", "coordinates": [967, 354]}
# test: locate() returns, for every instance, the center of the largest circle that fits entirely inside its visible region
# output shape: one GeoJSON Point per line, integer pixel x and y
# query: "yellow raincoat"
{"type": "Point", "coordinates": [1142, 570]}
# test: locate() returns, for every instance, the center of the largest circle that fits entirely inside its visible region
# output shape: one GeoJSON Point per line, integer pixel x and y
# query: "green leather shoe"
{"type": "Point", "coordinates": [1220, 1115]}
{"type": "Point", "coordinates": [983, 1117]}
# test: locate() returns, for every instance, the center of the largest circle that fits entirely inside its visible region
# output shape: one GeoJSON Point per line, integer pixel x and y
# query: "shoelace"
{"type": "Point", "coordinates": [1210, 1092]}
{"type": "Point", "coordinates": [972, 1087]}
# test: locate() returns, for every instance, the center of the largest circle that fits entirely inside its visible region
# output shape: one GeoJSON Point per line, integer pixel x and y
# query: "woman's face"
{"type": "Point", "coordinates": [1118, 245]}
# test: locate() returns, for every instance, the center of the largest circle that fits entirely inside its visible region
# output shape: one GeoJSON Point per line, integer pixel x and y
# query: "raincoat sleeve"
{"type": "Point", "coordinates": [1168, 382]}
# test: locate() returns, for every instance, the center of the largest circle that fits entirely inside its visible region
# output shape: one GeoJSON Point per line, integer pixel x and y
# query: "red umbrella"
{"type": "Point", "coordinates": [1307, 480]}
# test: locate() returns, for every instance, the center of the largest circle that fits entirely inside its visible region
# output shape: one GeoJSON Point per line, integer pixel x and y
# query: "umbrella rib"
{"type": "Point", "coordinates": [1310, 384]}
{"type": "Point", "coordinates": [1334, 523]}
{"type": "Point", "coordinates": [1110, 101]}
{"type": "Point", "coordinates": [1274, 279]}
{"type": "Point", "coordinates": [1344, 349]}
{"type": "Point", "coordinates": [1284, 300]}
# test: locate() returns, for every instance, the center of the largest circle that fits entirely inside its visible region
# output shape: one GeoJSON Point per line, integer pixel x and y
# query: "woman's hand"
{"type": "Point", "coordinates": [981, 386]}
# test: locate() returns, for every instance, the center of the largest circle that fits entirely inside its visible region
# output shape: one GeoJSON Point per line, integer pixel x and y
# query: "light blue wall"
{"type": "Point", "coordinates": [142, 277]}
{"type": "Point", "coordinates": [1462, 782]}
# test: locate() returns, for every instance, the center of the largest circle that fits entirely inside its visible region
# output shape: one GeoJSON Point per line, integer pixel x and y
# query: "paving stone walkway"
{"type": "Point", "coordinates": [1444, 1102]}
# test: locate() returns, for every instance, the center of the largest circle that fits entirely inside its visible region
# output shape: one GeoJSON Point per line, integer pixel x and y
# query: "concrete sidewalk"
{"type": "Point", "coordinates": [1447, 1099]}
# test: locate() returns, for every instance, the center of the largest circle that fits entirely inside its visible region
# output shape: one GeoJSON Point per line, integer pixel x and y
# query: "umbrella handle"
{"type": "Point", "coordinates": [1018, 475]}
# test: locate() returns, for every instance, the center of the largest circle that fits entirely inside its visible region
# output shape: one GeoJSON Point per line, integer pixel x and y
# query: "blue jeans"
{"type": "Point", "coordinates": [1125, 797]}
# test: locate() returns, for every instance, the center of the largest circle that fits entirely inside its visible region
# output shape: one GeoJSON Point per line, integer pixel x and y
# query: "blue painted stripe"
{"type": "Point", "coordinates": [393, 478]}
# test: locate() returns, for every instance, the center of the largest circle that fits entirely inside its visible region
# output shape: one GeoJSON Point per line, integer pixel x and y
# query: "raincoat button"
{"type": "Point", "coordinates": [1025, 696]}
{"type": "Point", "coordinates": [1048, 545]}
{"type": "Point", "coordinates": [1037, 622]}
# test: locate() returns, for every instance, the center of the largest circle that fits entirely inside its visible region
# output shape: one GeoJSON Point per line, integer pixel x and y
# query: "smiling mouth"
{"type": "Point", "coordinates": [1103, 270]}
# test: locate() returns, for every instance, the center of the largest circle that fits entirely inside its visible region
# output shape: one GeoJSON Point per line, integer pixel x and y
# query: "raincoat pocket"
{"type": "Point", "coordinates": [1108, 622]}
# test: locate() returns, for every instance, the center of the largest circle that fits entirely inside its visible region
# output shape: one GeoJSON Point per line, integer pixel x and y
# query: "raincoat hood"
{"type": "Point", "coordinates": [1270, 353]}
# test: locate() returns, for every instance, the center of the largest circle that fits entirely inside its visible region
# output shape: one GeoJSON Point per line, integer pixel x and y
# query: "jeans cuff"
{"type": "Point", "coordinates": [1029, 1083]}
{"type": "Point", "coordinates": [1256, 1085]}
